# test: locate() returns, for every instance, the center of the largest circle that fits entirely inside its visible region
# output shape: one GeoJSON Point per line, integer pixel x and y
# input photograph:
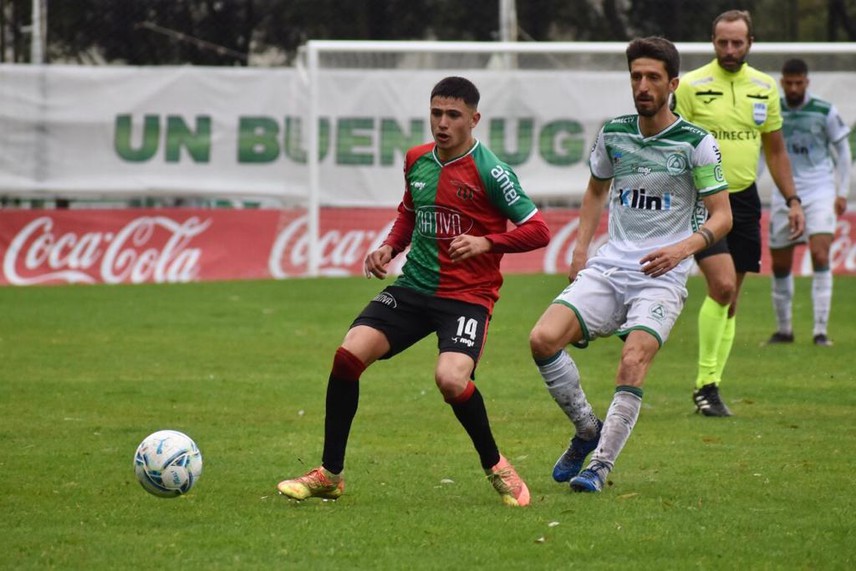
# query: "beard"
{"type": "Point", "coordinates": [648, 107]}
{"type": "Point", "coordinates": [731, 64]}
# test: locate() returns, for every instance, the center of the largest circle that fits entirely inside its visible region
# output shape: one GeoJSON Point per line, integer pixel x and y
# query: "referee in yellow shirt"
{"type": "Point", "coordinates": [740, 106]}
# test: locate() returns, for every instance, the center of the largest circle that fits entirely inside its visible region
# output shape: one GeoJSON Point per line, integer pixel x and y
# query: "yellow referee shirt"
{"type": "Point", "coordinates": [736, 108]}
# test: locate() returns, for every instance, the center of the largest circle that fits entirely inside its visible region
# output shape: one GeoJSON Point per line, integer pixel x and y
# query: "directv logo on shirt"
{"type": "Point", "coordinates": [637, 198]}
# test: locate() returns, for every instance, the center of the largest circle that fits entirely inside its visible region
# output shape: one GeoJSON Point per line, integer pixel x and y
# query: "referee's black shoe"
{"type": "Point", "coordinates": [708, 403]}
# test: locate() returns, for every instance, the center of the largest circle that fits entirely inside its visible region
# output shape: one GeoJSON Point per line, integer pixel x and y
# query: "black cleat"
{"type": "Point", "coordinates": [708, 403]}
{"type": "Point", "coordinates": [779, 337]}
{"type": "Point", "coordinates": [821, 340]}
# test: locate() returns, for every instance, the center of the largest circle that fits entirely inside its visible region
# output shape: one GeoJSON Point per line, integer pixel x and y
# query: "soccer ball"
{"type": "Point", "coordinates": [167, 463]}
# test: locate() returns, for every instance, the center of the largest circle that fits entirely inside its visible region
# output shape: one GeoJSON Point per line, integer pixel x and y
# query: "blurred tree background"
{"type": "Point", "coordinates": [268, 32]}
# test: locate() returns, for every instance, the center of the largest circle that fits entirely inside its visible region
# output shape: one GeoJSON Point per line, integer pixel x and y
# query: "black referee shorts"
{"type": "Point", "coordinates": [743, 242]}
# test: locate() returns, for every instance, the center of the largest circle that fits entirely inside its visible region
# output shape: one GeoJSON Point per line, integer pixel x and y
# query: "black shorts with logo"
{"type": "Point", "coordinates": [743, 242]}
{"type": "Point", "coordinates": [406, 316]}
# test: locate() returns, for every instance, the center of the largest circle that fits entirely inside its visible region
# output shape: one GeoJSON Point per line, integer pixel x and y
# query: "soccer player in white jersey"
{"type": "Point", "coordinates": [816, 139]}
{"type": "Point", "coordinates": [660, 174]}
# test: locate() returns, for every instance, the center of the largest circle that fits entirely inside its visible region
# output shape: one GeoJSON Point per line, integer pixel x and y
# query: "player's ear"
{"type": "Point", "coordinates": [476, 118]}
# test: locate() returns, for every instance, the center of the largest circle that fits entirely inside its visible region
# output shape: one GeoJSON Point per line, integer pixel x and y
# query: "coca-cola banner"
{"type": "Point", "coordinates": [185, 245]}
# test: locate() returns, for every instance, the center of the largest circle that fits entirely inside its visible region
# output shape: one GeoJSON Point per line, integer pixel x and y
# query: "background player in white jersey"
{"type": "Point", "coordinates": [660, 168]}
{"type": "Point", "coordinates": [816, 139]}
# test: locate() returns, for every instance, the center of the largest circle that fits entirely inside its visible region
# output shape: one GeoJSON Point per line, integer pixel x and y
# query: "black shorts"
{"type": "Point", "coordinates": [406, 316]}
{"type": "Point", "coordinates": [743, 242]}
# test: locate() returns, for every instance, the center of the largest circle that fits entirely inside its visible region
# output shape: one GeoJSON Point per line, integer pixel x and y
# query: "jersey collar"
{"type": "Point", "coordinates": [723, 73]}
{"type": "Point", "coordinates": [450, 161]}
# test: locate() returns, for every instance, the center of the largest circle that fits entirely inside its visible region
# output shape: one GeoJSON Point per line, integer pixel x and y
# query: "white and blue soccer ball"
{"type": "Point", "coordinates": [168, 463]}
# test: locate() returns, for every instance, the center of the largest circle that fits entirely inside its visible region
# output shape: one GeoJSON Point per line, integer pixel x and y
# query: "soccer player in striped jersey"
{"type": "Point", "coordinates": [458, 200]}
{"type": "Point", "coordinates": [660, 175]}
{"type": "Point", "coordinates": [816, 139]}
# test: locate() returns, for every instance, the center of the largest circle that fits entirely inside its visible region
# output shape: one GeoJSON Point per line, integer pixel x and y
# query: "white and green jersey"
{"type": "Point", "coordinates": [657, 186]}
{"type": "Point", "coordinates": [810, 130]}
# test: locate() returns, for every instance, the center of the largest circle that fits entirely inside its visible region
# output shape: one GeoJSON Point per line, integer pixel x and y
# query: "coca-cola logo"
{"type": "Point", "coordinates": [340, 252]}
{"type": "Point", "coordinates": [146, 249]}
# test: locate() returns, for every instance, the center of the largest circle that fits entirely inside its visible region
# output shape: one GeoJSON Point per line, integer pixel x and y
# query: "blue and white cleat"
{"type": "Point", "coordinates": [587, 481]}
{"type": "Point", "coordinates": [571, 462]}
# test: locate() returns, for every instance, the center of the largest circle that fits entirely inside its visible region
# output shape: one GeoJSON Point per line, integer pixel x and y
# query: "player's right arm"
{"type": "Point", "coordinates": [590, 213]}
{"type": "Point", "coordinates": [396, 241]}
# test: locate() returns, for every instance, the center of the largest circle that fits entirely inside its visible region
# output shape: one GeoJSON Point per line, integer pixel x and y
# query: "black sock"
{"type": "Point", "coordinates": [342, 400]}
{"type": "Point", "coordinates": [473, 417]}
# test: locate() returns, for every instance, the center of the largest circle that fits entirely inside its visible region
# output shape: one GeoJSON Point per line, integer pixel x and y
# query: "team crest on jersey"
{"type": "Point", "coordinates": [759, 112]}
{"type": "Point", "coordinates": [676, 164]}
{"type": "Point", "coordinates": [657, 311]}
{"type": "Point", "coordinates": [464, 191]}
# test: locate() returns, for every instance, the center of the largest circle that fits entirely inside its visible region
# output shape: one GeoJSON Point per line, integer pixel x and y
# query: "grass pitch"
{"type": "Point", "coordinates": [87, 372]}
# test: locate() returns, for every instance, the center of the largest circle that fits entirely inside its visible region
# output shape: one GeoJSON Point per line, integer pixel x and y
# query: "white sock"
{"type": "Point", "coordinates": [821, 299]}
{"type": "Point", "coordinates": [562, 379]}
{"type": "Point", "coordinates": [783, 295]}
{"type": "Point", "coordinates": [617, 426]}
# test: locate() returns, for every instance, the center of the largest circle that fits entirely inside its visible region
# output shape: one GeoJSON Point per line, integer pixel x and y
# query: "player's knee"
{"type": "Point", "coordinates": [722, 292]}
{"type": "Point", "coordinates": [347, 366]}
{"type": "Point", "coordinates": [542, 345]}
{"type": "Point", "coordinates": [451, 386]}
{"type": "Point", "coordinates": [820, 260]}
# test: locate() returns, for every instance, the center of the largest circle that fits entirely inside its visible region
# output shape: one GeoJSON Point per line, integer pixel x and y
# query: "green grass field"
{"type": "Point", "coordinates": [87, 372]}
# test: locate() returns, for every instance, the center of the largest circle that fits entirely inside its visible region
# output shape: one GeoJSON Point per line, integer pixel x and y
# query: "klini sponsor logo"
{"type": "Point", "coordinates": [342, 251]}
{"type": "Point", "coordinates": [39, 254]}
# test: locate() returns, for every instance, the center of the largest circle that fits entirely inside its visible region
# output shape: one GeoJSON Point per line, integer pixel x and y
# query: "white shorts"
{"type": "Point", "coordinates": [819, 219]}
{"type": "Point", "coordinates": [613, 301]}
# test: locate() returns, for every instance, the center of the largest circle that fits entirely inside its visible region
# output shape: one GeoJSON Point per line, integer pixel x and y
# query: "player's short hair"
{"type": "Point", "coordinates": [455, 87]}
{"type": "Point", "coordinates": [733, 16]}
{"type": "Point", "coordinates": [795, 66]}
{"type": "Point", "coordinates": [657, 48]}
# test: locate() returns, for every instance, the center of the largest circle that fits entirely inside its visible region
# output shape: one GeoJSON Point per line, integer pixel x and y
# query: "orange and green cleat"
{"type": "Point", "coordinates": [508, 483]}
{"type": "Point", "coordinates": [317, 483]}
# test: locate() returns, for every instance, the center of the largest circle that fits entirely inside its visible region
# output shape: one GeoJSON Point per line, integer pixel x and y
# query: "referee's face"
{"type": "Point", "coordinates": [731, 42]}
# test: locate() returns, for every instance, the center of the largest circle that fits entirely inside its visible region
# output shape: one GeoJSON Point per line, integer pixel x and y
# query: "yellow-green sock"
{"type": "Point", "coordinates": [725, 346]}
{"type": "Point", "coordinates": [712, 320]}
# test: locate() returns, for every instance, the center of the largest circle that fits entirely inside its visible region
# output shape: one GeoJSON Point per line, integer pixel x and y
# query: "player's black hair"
{"type": "Point", "coordinates": [795, 66]}
{"type": "Point", "coordinates": [455, 87]}
{"type": "Point", "coordinates": [657, 48]}
{"type": "Point", "coordinates": [733, 16]}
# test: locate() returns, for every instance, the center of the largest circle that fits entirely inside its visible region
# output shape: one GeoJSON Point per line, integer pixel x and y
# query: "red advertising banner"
{"type": "Point", "coordinates": [185, 245]}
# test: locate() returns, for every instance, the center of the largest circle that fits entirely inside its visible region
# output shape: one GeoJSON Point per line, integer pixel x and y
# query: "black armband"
{"type": "Point", "coordinates": [707, 235]}
{"type": "Point", "coordinates": [791, 199]}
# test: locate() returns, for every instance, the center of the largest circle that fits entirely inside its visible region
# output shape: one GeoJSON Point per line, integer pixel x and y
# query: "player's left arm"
{"type": "Point", "coordinates": [776, 155]}
{"type": "Point", "coordinates": [529, 235]}
{"type": "Point", "coordinates": [715, 227]}
{"type": "Point", "coordinates": [842, 168]}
